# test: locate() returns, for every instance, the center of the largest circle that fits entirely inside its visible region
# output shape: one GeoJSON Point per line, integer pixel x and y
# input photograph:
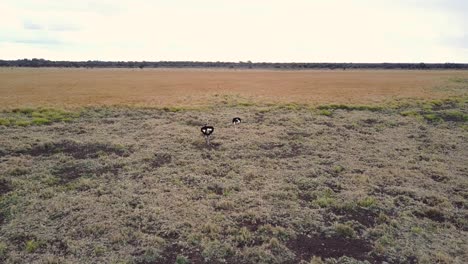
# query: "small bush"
{"type": "Point", "coordinates": [216, 251]}
{"type": "Point", "coordinates": [324, 202]}
{"type": "Point", "coordinates": [150, 256]}
{"type": "Point", "coordinates": [409, 113]}
{"type": "Point", "coordinates": [434, 118]}
{"type": "Point", "coordinates": [368, 108]}
{"type": "Point", "coordinates": [258, 255]}
{"type": "Point", "coordinates": [291, 106]}
{"type": "Point", "coordinates": [182, 260]}
{"type": "Point", "coordinates": [417, 230]}
{"type": "Point", "coordinates": [32, 245]}
{"type": "Point", "coordinates": [41, 121]}
{"type": "Point", "coordinates": [173, 109]}
{"type": "Point", "coordinates": [367, 202]}
{"type": "Point", "coordinates": [37, 114]}
{"type": "Point", "coordinates": [274, 243]}
{"type": "Point", "coordinates": [325, 112]}
{"type": "Point", "coordinates": [244, 236]}
{"type": "Point", "coordinates": [211, 230]}
{"type": "Point", "coordinates": [325, 198]}
{"type": "Point", "coordinates": [23, 110]}
{"type": "Point", "coordinates": [18, 171]}
{"type": "Point", "coordinates": [245, 104]}
{"type": "Point", "coordinates": [99, 250]}
{"type": "Point", "coordinates": [345, 230]}
{"type": "Point", "coordinates": [267, 231]}
{"type": "Point", "coordinates": [455, 116]}
{"type": "Point", "coordinates": [316, 260]}
{"type": "Point", "coordinates": [4, 122]}
{"type": "Point", "coordinates": [382, 218]}
{"type": "Point", "coordinates": [338, 168]}
{"type": "Point", "coordinates": [225, 205]}
{"type": "Point", "coordinates": [386, 240]}
{"type": "Point", "coordinates": [3, 249]}
{"type": "Point", "coordinates": [22, 123]}
{"type": "Point", "coordinates": [443, 258]}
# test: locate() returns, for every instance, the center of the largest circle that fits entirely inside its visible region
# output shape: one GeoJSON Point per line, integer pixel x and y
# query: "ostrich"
{"type": "Point", "coordinates": [207, 131]}
{"type": "Point", "coordinates": [236, 121]}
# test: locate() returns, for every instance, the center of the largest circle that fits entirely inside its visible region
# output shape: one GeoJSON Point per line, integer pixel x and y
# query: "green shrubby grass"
{"type": "Point", "coordinates": [32, 245]}
{"type": "Point", "coordinates": [3, 249]}
{"type": "Point", "coordinates": [40, 116]}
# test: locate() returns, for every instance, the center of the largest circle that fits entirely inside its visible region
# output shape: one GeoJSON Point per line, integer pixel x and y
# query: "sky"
{"type": "Point", "coordinates": [236, 30]}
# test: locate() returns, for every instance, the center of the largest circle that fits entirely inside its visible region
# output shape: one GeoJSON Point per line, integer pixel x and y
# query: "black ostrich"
{"type": "Point", "coordinates": [207, 131]}
{"type": "Point", "coordinates": [236, 121]}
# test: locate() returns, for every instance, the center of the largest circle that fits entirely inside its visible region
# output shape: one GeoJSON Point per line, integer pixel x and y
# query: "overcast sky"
{"type": "Point", "coordinates": [236, 30]}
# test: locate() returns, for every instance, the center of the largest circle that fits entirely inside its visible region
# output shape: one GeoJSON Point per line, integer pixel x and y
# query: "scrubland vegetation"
{"type": "Point", "coordinates": [293, 184]}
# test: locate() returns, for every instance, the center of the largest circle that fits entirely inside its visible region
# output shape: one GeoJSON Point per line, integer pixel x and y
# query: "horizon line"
{"type": "Point", "coordinates": [234, 62]}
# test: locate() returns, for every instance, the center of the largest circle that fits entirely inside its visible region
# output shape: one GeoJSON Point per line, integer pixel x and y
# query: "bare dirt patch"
{"type": "Point", "coordinates": [5, 186]}
{"type": "Point", "coordinates": [363, 216]}
{"type": "Point", "coordinates": [433, 214]}
{"type": "Point", "coordinates": [75, 149]}
{"type": "Point", "coordinates": [72, 171]}
{"type": "Point", "coordinates": [170, 254]}
{"type": "Point", "coordinates": [203, 145]}
{"type": "Point", "coordinates": [334, 247]}
{"type": "Point", "coordinates": [160, 159]}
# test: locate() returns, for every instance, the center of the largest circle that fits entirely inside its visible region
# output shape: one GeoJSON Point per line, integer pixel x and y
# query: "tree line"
{"type": "Point", "coordinates": [231, 65]}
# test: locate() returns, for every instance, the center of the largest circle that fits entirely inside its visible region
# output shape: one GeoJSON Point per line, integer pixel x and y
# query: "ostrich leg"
{"type": "Point", "coordinates": [207, 138]}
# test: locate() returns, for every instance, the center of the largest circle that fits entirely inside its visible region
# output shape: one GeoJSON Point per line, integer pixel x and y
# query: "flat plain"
{"type": "Point", "coordinates": [370, 169]}
{"type": "Point", "coordinates": [31, 87]}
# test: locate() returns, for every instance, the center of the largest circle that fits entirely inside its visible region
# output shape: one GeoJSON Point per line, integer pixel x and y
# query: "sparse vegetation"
{"type": "Point", "coordinates": [138, 185]}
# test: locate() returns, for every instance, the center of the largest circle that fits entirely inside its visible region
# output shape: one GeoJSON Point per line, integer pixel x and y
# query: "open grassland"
{"type": "Point", "coordinates": [327, 167]}
{"type": "Point", "coordinates": [330, 184]}
{"type": "Point", "coordinates": [64, 88]}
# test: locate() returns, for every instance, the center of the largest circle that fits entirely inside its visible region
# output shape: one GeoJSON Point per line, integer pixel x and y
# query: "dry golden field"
{"type": "Point", "coordinates": [26, 87]}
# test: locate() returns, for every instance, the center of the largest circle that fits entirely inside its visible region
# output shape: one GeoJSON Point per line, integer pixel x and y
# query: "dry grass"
{"type": "Point", "coordinates": [292, 184]}
{"type": "Point", "coordinates": [163, 87]}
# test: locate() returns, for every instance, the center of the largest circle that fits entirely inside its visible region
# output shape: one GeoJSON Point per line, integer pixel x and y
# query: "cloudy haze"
{"type": "Point", "coordinates": [237, 30]}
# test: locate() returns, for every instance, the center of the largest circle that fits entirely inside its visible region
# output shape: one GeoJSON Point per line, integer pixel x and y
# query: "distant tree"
{"type": "Point", "coordinates": [35, 62]}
